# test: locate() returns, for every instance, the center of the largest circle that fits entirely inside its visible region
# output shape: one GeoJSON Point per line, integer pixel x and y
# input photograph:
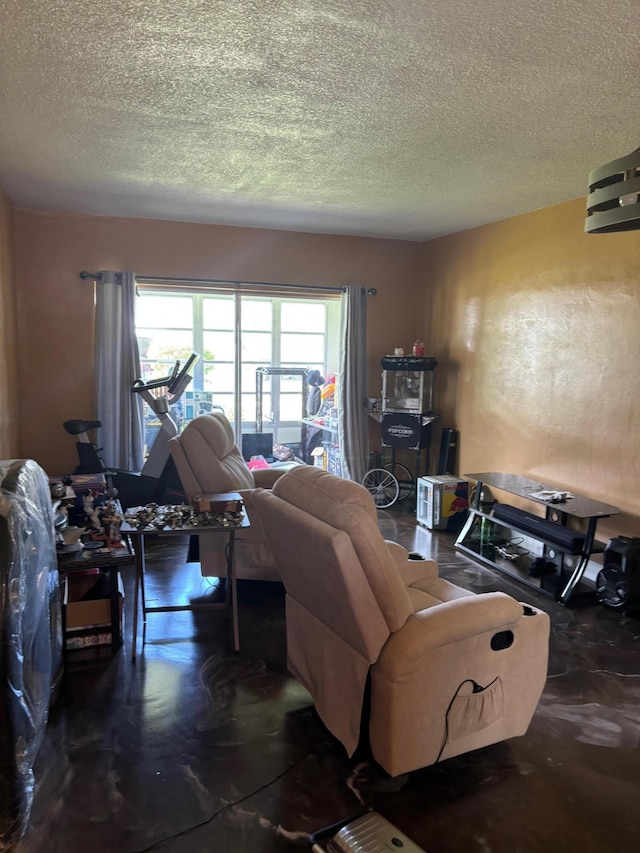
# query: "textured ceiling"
{"type": "Point", "coordinates": [405, 118]}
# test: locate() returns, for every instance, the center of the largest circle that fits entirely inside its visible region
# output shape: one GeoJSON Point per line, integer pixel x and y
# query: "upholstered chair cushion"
{"type": "Point", "coordinates": [449, 671]}
{"type": "Point", "coordinates": [208, 461]}
{"type": "Point", "coordinates": [209, 444]}
{"type": "Point", "coordinates": [345, 505]}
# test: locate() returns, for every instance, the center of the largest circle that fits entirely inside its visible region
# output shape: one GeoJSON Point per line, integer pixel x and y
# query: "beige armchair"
{"type": "Point", "coordinates": [450, 671]}
{"type": "Point", "coordinates": [208, 461]}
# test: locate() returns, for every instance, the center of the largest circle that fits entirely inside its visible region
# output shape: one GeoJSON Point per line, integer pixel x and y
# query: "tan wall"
{"type": "Point", "coordinates": [536, 327]}
{"type": "Point", "coordinates": [56, 307]}
{"type": "Point", "coordinates": [8, 347]}
{"type": "Point", "coordinates": [533, 322]}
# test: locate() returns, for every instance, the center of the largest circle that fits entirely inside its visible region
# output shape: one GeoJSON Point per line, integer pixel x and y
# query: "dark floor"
{"type": "Point", "coordinates": [194, 749]}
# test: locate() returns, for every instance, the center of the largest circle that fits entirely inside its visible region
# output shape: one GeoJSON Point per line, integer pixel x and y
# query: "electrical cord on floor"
{"type": "Point", "coordinates": [477, 688]}
{"type": "Point", "coordinates": [227, 806]}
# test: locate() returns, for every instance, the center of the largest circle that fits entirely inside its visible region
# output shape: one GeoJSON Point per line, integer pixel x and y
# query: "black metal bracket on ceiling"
{"type": "Point", "coordinates": [613, 203]}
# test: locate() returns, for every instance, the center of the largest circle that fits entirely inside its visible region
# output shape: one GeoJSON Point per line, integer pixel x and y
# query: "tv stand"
{"type": "Point", "coordinates": [482, 531]}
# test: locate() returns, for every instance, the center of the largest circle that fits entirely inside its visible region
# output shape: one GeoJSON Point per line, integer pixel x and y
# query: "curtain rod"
{"type": "Point", "coordinates": [149, 279]}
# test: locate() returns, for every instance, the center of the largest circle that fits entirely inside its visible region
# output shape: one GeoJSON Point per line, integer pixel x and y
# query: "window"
{"type": "Point", "coordinates": [235, 334]}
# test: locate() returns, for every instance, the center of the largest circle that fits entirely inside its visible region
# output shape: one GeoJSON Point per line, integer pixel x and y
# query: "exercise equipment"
{"type": "Point", "coordinates": [158, 474]}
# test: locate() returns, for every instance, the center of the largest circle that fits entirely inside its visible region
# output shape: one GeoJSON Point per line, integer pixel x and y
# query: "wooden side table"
{"type": "Point", "coordinates": [138, 536]}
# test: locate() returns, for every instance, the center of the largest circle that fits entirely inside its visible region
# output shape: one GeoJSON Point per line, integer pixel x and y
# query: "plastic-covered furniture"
{"type": "Point", "coordinates": [30, 635]}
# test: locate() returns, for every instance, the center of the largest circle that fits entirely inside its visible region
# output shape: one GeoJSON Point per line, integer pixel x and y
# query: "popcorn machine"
{"type": "Point", "coordinates": [407, 383]}
{"type": "Point", "coordinates": [406, 424]}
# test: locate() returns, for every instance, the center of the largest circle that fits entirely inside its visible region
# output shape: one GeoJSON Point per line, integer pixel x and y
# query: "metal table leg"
{"type": "Point", "coordinates": [138, 550]}
{"type": "Point", "coordinates": [580, 569]}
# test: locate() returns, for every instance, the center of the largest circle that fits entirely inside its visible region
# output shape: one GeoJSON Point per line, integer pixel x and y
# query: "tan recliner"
{"type": "Point", "coordinates": [450, 671]}
{"type": "Point", "coordinates": [208, 461]}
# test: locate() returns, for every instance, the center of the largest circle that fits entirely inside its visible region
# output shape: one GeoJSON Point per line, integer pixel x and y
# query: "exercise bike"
{"type": "Point", "coordinates": [158, 480]}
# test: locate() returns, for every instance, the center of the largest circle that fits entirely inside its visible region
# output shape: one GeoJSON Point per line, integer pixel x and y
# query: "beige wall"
{"type": "Point", "coordinates": [536, 327]}
{"type": "Point", "coordinates": [534, 324]}
{"type": "Point", "coordinates": [8, 347]}
{"type": "Point", "coordinates": [56, 307]}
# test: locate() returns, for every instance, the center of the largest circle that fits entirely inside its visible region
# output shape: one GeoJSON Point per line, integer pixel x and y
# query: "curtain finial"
{"type": "Point", "coordinates": [105, 276]}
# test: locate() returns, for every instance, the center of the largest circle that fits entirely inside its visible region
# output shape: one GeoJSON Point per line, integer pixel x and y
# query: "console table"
{"type": "Point", "coordinates": [138, 536]}
{"type": "Point", "coordinates": [511, 521]}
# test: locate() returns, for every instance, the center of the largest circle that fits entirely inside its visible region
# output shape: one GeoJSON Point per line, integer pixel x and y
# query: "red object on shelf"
{"type": "Point", "coordinates": [418, 348]}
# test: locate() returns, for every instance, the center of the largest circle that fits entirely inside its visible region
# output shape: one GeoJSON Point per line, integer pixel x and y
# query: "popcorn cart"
{"type": "Point", "coordinates": [406, 423]}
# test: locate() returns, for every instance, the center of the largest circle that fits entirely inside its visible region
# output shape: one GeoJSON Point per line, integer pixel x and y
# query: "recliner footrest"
{"type": "Point", "coordinates": [569, 541]}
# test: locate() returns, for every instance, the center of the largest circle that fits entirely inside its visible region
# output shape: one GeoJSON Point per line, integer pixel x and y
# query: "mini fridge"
{"type": "Point", "coordinates": [442, 502]}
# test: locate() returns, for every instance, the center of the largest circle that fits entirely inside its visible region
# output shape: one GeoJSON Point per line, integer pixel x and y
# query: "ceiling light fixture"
{"type": "Point", "coordinates": [613, 203]}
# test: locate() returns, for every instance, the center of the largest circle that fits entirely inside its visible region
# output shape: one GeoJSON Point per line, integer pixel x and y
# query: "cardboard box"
{"type": "Point", "coordinates": [86, 641]}
{"type": "Point", "coordinates": [319, 457]}
{"type": "Point", "coordinates": [81, 484]}
{"type": "Point", "coordinates": [83, 617]}
{"type": "Point", "coordinates": [443, 502]}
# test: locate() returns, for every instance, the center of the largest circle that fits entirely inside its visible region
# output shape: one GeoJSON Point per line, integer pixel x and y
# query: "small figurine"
{"type": "Point", "coordinates": [88, 505]}
{"type": "Point", "coordinates": [111, 520]}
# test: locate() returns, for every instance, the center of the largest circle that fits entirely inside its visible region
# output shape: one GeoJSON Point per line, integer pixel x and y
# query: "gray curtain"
{"type": "Point", "coordinates": [352, 383]}
{"type": "Point", "coordinates": [117, 365]}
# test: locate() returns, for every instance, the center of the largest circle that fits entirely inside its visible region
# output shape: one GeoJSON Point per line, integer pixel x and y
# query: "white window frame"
{"type": "Point", "coordinates": [330, 335]}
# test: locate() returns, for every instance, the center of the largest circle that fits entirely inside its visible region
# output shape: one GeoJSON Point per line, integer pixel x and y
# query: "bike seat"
{"type": "Point", "coordinates": [75, 427]}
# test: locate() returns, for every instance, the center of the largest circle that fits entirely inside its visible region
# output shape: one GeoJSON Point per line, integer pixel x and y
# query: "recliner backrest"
{"type": "Point", "coordinates": [207, 458]}
{"type": "Point", "coordinates": [347, 506]}
{"type": "Point", "coordinates": [322, 574]}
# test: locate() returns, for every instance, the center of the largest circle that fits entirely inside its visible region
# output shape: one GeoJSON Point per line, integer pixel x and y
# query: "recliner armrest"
{"type": "Point", "coordinates": [449, 622]}
{"type": "Point", "coordinates": [411, 570]}
{"type": "Point", "coordinates": [266, 477]}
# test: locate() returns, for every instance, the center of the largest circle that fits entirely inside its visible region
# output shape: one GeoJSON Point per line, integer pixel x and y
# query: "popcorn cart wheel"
{"type": "Point", "coordinates": [383, 487]}
{"type": "Point", "coordinates": [405, 478]}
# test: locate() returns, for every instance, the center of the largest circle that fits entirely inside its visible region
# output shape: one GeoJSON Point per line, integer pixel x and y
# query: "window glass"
{"type": "Point", "coordinates": [256, 315]}
{"type": "Point", "coordinates": [227, 402]}
{"type": "Point", "coordinates": [274, 331]}
{"type": "Point", "coordinates": [256, 347]}
{"type": "Point", "coordinates": [304, 316]}
{"type": "Point", "coordinates": [301, 349]}
{"type": "Point", "coordinates": [248, 376]}
{"type": "Point", "coordinates": [165, 311]}
{"type": "Point", "coordinates": [219, 346]}
{"type": "Point", "coordinates": [249, 409]}
{"type": "Point", "coordinates": [220, 378]}
{"type": "Point", "coordinates": [165, 344]}
{"type": "Point", "coordinates": [219, 312]}
{"type": "Point", "coordinates": [291, 407]}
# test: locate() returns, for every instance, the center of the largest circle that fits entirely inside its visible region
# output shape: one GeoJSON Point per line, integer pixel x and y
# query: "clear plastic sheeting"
{"type": "Point", "coordinates": [30, 635]}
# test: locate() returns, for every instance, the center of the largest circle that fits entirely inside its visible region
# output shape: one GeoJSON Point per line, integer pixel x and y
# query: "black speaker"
{"type": "Point", "coordinates": [448, 447]}
{"type": "Point", "coordinates": [618, 583]}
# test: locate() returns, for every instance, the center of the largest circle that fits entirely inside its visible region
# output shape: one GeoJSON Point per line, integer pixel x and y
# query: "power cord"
{"type": "Point", "coordinates": [227, 806]}
{"type": "Point", "coordinates": [512, 549]}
